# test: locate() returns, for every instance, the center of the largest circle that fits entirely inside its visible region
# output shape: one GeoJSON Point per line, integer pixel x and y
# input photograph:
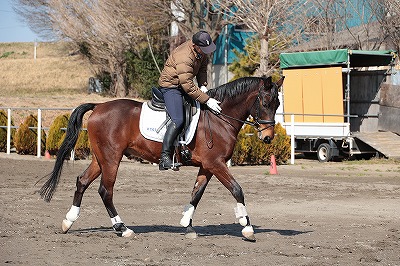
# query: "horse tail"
{"type": "Point", "coordinates": [73, 130]}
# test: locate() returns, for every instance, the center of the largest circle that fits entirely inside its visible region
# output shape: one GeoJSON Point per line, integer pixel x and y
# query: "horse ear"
{"type": "Point", "coordinates": [280, 82]}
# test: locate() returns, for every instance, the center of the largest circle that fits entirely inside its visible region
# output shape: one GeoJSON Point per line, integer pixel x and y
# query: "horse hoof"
{"type": "Point", "coordinates": [190, 233]}
{"type": "Point", "coordinates": [248, 233]}
{"type": "Point", "coordinates": [127, 233]}
{"type": "Point", "coordinates": [66, 225]}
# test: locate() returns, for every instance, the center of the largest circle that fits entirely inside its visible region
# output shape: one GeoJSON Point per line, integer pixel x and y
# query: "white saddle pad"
{"type": "Point", "coordinates": [151, 121]}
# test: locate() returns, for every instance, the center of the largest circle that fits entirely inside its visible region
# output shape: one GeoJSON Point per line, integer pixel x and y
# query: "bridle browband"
{"type": "Point", "coordinates": [257, 121]}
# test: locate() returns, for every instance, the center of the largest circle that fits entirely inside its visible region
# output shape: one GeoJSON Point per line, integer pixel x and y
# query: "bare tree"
{"type": "Point", "coordinates": [191, 16]}
{"type": "Point", "coordinates": [388, 15]}
{"type": "Point", "coordinates": [276, 22]}
{"type": "Point", "coordinates": [35, 14]}
{"type": "Point", "coordinates": [104, 29]}
{"type": "Point", "coordinates": [320, 23]}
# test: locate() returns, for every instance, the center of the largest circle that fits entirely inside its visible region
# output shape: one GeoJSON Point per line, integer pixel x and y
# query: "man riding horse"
{"type": "Point", "coordinates": [187, 61]}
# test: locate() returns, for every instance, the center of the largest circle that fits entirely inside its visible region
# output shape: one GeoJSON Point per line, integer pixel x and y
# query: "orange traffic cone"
{"type": "Point", "coordinates": [272, 169]}
{"type": "Point", "coordinates": [47, 155]}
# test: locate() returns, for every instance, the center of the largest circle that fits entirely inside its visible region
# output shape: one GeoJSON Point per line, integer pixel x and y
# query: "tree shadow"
{"type": "Point", "coordinates": [207, 230]}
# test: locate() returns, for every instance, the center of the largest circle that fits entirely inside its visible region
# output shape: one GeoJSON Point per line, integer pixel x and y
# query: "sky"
{"type": "Point", "coordinates": [11, 28]}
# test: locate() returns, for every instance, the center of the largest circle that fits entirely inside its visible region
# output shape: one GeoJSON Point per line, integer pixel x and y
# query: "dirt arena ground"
{"type": "Point", "coordinates": [339, 213]}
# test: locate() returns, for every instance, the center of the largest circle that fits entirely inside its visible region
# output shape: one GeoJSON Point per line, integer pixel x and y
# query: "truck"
{"type": "Point", "coordinates": [341, 103]}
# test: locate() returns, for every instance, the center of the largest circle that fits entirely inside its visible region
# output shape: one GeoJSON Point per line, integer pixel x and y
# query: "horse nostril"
{"type": "Point", "coordinates": [267, 140]}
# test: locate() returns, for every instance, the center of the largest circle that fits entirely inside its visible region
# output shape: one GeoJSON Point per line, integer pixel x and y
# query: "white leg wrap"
{"type": "Point", "coordinates": [116, 220]}
{"type": "Point", "coordinates": [187, 213]}
{"type": "Point", "coordinates": [247, 231]}
{"type": "Point", "coordinates": [73, 214]}
{"type": "Point", "coordinates": [241, 213]}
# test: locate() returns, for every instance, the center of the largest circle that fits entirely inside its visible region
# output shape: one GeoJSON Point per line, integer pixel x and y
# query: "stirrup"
{"type": "Point", "coordinates": [168, 164]}
{"type": "Point", "coordinates": [175, 165]}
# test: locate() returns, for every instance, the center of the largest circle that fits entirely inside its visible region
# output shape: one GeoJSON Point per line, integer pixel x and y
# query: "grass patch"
{"type": "Point", "coordinates": [22, 76]}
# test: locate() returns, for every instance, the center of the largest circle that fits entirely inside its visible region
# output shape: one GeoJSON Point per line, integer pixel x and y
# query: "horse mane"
{"type": "Point", "coordinates": [234, 88]}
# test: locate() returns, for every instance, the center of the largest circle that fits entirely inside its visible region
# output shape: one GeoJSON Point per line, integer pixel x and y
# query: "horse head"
{"type": "Point", "coordinates": [266, 105]}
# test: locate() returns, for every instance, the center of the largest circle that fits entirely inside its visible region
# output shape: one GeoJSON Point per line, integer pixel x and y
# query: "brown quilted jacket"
{"type": "Point", "coordinates": [181, 68]}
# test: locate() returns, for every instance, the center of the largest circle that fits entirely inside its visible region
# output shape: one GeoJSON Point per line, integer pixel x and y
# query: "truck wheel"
{"type": "Point", "coordinates": [324, 152]}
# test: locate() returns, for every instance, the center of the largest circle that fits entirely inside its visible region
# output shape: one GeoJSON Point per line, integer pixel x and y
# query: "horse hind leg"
{"type": "Point", "coordinates": [82, 183]}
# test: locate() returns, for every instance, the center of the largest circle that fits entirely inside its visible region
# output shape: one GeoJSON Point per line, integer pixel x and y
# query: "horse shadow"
{"type": "Point", "coordinates": [207, 230]}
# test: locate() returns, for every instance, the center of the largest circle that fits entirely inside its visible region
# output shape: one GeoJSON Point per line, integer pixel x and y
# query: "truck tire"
{"type": "Point", "coordinates": [324, 152]}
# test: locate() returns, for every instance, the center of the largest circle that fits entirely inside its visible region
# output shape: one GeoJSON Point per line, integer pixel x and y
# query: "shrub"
{"type": "Point", "coordinates": [25, 140]}
{"type": "Point", "coordinates": [3, 131]}
{"type": "Point", "coordinates": [142, 72]}
{"type": "Point", "coordinates": [250, 150]}
{"type": "Point", "coordinates": [56, 134]}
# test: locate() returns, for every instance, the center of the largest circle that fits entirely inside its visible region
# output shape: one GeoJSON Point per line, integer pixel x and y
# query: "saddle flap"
{"type": "Point", "coordinates": [150, 122]}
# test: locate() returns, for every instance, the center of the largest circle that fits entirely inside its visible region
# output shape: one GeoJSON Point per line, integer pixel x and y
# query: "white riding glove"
{"type": "Point", "coordinates": [214, 105]}
{"type": "Point", "coordinates": [203, 89]}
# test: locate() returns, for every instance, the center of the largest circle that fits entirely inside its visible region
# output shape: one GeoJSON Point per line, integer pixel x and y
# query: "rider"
{"type": "Point", "coordinates": [186, 62]}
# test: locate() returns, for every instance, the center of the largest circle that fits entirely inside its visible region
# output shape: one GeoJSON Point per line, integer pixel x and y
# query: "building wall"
{"type": "Point", "coordinates": [364, 100]}
{"type": "Point", "coordinates": [220, 75]}
{"type": "Point", "coordinates": [389, 102]}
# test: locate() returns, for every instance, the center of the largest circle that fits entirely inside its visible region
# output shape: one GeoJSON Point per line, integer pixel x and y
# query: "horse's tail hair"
{"type": "Point", "coordinates": [73, 130]}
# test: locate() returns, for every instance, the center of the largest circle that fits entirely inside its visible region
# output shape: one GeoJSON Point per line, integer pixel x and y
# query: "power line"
{"type": "Point", "coordinates": [9, 11]}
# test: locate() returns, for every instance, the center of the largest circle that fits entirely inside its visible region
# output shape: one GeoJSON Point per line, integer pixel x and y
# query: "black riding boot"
{"type": "Point", "coordinates": [168, 147]}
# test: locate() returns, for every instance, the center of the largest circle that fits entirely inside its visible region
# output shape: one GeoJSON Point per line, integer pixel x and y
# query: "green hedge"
{"type": "Point", "coordinates": [25, 140]}
{"type": "Point", "coordinates": [56, 134]}
{"type": "Point", "coordinates": [250, 149]}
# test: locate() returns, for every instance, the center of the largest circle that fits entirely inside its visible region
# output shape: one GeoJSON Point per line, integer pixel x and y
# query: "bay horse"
{"type": "Point", "coordinates": [113, 130]}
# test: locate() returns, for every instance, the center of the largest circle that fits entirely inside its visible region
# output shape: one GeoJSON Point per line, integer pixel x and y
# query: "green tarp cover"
{"type": "Point", "coordinates": [358, 58]}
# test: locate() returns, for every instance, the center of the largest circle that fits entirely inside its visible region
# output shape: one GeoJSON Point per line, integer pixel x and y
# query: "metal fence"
{"type": "Point", "coordinates": [39, 128]}
{"type": "Point", "coordinates": [41, 111]}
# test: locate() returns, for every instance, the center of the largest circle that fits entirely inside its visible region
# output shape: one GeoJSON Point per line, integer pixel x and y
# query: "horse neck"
{"type": "Point", "coordinates": [240, 106]}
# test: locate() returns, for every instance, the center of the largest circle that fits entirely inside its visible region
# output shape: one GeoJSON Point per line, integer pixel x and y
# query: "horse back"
{"type": "Point", "coordinates": [116, 115]}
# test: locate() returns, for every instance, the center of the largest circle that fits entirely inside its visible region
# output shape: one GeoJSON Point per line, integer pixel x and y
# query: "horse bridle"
{"type": "Point", "coordinates": [257, 121]}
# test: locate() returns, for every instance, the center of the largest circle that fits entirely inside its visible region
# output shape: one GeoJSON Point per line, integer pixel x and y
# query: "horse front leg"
{"type": "Point", "coordinates": [203, 177]}
{"type": "Point", "coordinates": [82, 183]}
{"type": "Point", "coordinates": [223, 174]}
{"type": "Point", "coordinates": [106, 193]}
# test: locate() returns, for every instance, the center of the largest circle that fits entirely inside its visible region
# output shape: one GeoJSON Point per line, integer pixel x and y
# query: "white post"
{"type": "Point", "coordinates": [229, 162]}
{"type": "Point", "coordinates": [292, 139]}
{"type": "Point", "coordinates": [39, 133]}
{"type": "Point", "coordinates": [8, 130]}
{"type": "Point", "coordinates": [34, 51]}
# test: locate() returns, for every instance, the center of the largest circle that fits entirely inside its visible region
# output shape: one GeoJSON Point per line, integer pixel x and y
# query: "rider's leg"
{"type": "Point", "coordinates": [174, 106]}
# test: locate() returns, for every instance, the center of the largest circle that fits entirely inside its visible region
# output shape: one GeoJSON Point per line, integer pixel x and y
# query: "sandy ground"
{"type": "Point", "coordinates": [339, 213]}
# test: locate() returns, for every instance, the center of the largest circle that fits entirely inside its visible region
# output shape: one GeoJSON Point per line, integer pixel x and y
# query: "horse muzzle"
{"type": "Point", "coordinates": [266, 139]}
